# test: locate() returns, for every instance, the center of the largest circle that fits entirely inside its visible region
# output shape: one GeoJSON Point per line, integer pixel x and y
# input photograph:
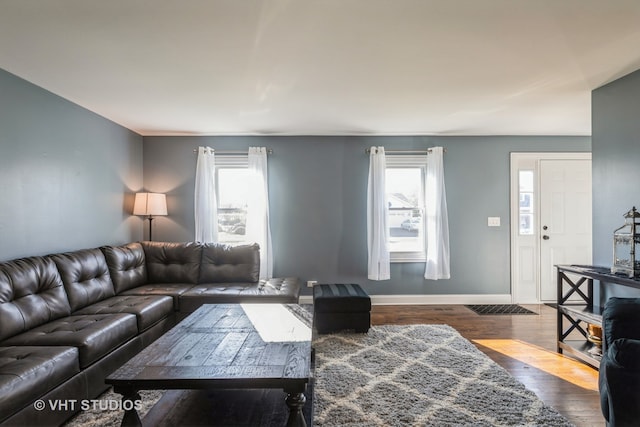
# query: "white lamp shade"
{"type": "Point", "coordinates": [150, 204]}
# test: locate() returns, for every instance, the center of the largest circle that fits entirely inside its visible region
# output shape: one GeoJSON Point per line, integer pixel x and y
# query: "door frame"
{"type": "Point", "coordinates": [529, 161]}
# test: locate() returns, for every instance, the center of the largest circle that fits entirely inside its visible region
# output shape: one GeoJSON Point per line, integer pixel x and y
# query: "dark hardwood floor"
{"type": "Point", "coordinates": [525, 345]}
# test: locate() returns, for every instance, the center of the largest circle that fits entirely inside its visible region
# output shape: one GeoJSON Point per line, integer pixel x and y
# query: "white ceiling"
{"type": "Point", "coordinates": [326, 67]}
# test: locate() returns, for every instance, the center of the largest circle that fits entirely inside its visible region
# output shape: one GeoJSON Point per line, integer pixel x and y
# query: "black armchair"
{"type": "Point", "coordinates": [619, 376]}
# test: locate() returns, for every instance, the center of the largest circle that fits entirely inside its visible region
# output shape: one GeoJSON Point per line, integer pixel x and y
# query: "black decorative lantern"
{"type": "Point", "coordinates": [625, 240]}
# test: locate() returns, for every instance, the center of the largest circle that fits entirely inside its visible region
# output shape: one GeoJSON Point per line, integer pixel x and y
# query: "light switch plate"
{"type": "Point", "coordinates": [493, 221]}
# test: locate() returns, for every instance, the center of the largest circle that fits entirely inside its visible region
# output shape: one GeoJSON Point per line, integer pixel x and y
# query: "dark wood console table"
{"type": "Point", "coordinates": [579, 282]}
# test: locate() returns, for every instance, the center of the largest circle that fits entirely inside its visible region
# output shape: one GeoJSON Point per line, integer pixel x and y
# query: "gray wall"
{"type": "Point", "coordinates": [318, 204]}
{"type": "Point", "coordinates": [66, 174]}
{"type": "Point", "coordinates": [616, 165]}
{"type": "Point", "coordinates": [67, 177]}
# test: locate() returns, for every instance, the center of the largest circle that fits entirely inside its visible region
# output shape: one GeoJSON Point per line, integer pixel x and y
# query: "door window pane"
{"type": "Point", "coordinates": [526, 202]}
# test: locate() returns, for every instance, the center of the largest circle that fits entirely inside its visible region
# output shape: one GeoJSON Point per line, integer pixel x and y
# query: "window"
{"type": "Point", "coordinates": [404, 180]}
{"type": "Point", "coordinates": [232, 181]}
{"type": "Point", "coordinates": [525, 181]}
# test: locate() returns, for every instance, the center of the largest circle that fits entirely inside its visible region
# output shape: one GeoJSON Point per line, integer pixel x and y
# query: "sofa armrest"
{"type": "Point", "coordinates": [619, 373]}
{"type": "Point", "coordinates": [618, 383]}
{"type": "Point", "coordinates": [624, 353]}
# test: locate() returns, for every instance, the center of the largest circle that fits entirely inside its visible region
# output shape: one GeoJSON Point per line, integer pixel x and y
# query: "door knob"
{"type": "Point", "coordinates": [545, 237]}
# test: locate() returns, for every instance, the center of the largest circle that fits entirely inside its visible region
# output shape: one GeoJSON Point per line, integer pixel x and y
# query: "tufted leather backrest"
{"type": "Point", "coordinates": [127, 266]}
{"type": "Point", "coordinates": [31, 294]}
{"type": "Point", "coordinates": [172, 262]}
{"type": "Point", "coordinates": [224, 264]}
{"type": "Point", "coordinates": [85, 276]}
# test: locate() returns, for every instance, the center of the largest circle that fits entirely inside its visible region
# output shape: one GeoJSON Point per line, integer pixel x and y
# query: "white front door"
{"type": "Point", "coordinates": [550, 220]}
{"type": "Point", "coordinates": [565, 219]}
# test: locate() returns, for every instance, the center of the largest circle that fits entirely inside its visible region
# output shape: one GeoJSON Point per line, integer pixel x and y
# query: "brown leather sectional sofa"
{"type": "Point", "coordinates": [68, 320]}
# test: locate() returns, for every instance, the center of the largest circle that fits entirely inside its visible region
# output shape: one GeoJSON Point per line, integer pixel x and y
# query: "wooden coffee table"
{"type": "Point", "coordinates": [223, 346]}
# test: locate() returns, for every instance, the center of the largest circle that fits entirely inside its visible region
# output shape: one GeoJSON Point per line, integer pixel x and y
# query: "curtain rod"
{"type": "Point", "coordinates": [427, 151]}
{"type": "Point", "coordinates": [231, 152]}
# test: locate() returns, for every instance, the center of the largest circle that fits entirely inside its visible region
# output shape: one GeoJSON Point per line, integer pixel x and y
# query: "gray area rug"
{"type": "Point", "coordinates": [415, 376]}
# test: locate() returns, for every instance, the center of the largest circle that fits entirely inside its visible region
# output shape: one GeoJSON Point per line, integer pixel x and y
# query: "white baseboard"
{"type": "Point", "coordinates": [429, 299]}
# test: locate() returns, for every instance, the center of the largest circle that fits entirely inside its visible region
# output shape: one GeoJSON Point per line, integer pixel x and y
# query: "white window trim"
{"type": "Point", "coordinates": [410, 160]}
{"type": "Point", "coordinates": [232, 161]}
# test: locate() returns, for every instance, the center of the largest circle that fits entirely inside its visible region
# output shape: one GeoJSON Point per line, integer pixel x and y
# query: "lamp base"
{"type": "Point", "coordinates": [150, 218]}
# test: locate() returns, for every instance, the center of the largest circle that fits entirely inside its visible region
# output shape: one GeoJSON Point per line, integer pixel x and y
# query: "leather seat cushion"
{"type": "Point", "coordinates": [94, 335]}
{"type": "Point", "coordinates": [280, 290]}
{"type": "Point", "coordinates": [28, 372]}
{"type": "Point", "coordinates": [149, 309]}
{"type": "Point", "coordinates": [173, 290]}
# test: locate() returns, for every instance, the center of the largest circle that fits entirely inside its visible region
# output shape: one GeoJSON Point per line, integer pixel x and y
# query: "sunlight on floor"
{"type": "Point", "coordinates": [552, 363]}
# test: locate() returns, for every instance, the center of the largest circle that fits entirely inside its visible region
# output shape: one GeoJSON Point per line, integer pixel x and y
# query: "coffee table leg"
{"type": "Point", "coordinates": [131, 417]}
{"type": "Point", "coordinates": [295, 402]}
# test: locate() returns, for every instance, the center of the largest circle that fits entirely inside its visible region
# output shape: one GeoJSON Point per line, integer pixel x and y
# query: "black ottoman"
{"type": "Point", "coordinates": [341, 306]}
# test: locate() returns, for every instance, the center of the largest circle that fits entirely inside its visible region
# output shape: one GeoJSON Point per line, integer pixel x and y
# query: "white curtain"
{"type": "Point", "coordinates": [437, 221]}
{"type": "Point", "coordinates": [377, 213]}
{"type": "Point", "coordinates": [258, 229]}
{"type": "Point", "coordinates": [205, 204]}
